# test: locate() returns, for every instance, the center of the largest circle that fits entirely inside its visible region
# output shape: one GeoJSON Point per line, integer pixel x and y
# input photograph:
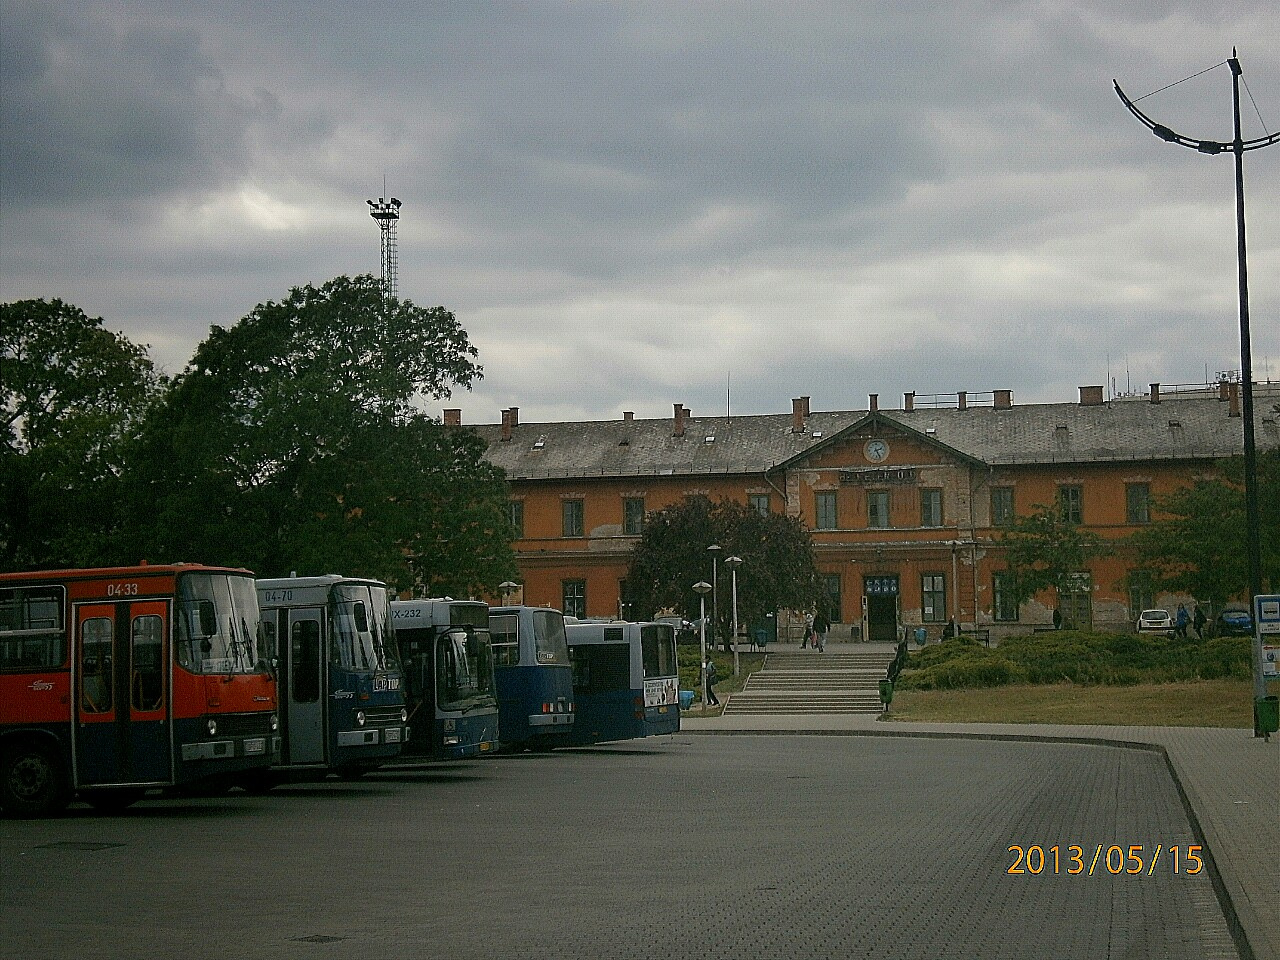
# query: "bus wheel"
{"type": "Point", "coordinates": [111, 801]}
{"type": "Point", "coordinates": [32, 783]}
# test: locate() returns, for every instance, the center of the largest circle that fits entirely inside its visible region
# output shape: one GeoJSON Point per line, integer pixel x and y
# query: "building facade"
{"type": "Point", "coordinates": [906, 506]}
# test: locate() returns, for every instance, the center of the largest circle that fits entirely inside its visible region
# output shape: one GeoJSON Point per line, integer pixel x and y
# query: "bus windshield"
{"type": "Point", "coordinates": [218, 628]}
{"type": "Point", "coordinates": [362, 637]}
{"type": "Point", "coordinates": [464, 669]}
{"type": "Point", "coordinates": [548, 633]}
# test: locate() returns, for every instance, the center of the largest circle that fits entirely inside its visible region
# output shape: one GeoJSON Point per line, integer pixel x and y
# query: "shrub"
{"type": "Point", "coordinates": [978, 668]}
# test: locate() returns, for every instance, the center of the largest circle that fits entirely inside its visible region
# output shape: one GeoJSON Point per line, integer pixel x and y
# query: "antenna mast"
{"type": "Point", "coordinates": [387, 213]}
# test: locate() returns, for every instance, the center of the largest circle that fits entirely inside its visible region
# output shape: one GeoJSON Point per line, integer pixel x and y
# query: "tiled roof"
{"type": "Point", "coordinates": [1177, 428]}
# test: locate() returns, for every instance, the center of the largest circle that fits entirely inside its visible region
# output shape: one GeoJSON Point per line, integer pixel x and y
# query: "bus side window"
{"type": "Point", "coordinates": [304, 660]}
{"type": "Point", "coordinates": [96, 668]}
{"type": "Point", "coordinates": [148, 663]}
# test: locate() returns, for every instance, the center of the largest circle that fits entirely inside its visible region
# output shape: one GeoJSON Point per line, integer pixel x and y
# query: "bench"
{"type": "Point", "coordinates": [983, 635]}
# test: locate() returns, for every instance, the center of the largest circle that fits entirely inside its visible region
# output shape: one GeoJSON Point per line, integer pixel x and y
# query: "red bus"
{"type": "Point", "coordinates": [117, 680]}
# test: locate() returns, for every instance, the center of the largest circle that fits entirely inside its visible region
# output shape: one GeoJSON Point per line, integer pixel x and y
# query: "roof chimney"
{"type": "Point", "coordinates": [875, 402]}
{"type": "Point", "coordinates": [506, 426]}
{"type": "Point", "coordinates": [1155, 393]}
{"type": "Point", "coordinates": [453, 418]}
{"type": "Point", "coordinates": [628, 415]}
{"type": "Point", "coordinates": [678, 431]}
{"type": "Point", "coordinates": [797, 414]}
{"type": "Point", "coordinates": [962, 400]}
{"type": "Point", "coordinates": [515, 416]}
{"type": "Point", "coordinates": [1233, 399]}
{"type": "Point", "coordinates": [909, 401]}
{"type": "Point", "coordinates": [1091, 396]}
{"type": "Point", "coordinates": [1003, 399]}
{"type": "Point", "coordinates": [805, 402]}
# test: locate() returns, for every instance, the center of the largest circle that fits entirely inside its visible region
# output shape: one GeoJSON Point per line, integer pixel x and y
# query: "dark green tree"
{"type": "Point", "coordinates": [294, 442]}
{"type": "Point", "coordinates": [1196, 542]}
{"type": "Point", "coordinates": [777, 569]}
{"type": "Point", "coordinates": [72, 392]}
{"type": "Point", "coordinates": [1043, 550]}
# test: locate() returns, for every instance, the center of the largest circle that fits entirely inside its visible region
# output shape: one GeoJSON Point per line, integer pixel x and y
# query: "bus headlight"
{"type": "Point", "coordinates": [275, 723]}
{"type": "Point", "coordinates": [452, 741]}
{"type": "Point", "coordinates": [404, 715]}
{"type": "Point", "coordinates": [212, 726]}
{"type": "Point", "coordinates": [359, 718]}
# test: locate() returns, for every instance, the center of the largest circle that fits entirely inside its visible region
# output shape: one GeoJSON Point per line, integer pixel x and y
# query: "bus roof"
{"type": "Point", "coordinates": [135, 570]}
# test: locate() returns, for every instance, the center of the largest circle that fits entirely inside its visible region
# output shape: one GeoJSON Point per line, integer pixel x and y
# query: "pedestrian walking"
{"type": "Point", "coordinates": [820, 627]}
{"type": "Point", "coordinates": [1180, 621]}
{"type": "Point", "coordinates": [1057, 619]}
{"type": "Point", "coordinates": [709, 677]}
{"type": "Point", "coordinates": [808, 631]}
{"type": "Point", "coordinates": [1199, 621]}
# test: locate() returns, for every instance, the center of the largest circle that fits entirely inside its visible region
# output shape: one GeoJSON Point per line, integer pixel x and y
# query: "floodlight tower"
{"type": "Point", "coordinates": [387, 213]}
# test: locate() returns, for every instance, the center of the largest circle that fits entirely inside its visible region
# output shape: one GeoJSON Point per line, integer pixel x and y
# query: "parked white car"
{"type": "Point", "coordinates": [1155, 621]}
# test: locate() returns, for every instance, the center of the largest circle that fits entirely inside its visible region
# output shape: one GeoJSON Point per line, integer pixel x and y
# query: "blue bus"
{"type": "Point", "coordinates": [535, 682]}
{"type": "Point", "coordinates": [625, 684]}
{"type": "Point", "coordinates": [448, 671]}
{"type": "Point", "coordinates": [341, 690]}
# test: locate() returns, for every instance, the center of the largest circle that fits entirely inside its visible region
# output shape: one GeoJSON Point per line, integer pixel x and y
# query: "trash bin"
{"type": "Point", "coordinates": [686, 699]}
{"type": "Point", "coordinates": [1269, 714]}
{"type": "Point", "coordinates": [886, 692]}
{"type": "Point", "coordinates": [922, 636]}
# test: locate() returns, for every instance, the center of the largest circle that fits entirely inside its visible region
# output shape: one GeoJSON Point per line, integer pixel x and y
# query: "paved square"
{"type": "Point", "coordinates": [690, 846]}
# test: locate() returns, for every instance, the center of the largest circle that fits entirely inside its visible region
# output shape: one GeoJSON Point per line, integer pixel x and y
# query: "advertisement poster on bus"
{"type": "Point", "coordinates": [661, 692]}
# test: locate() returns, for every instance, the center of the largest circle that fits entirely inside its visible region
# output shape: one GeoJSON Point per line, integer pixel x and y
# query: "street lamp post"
{"type": "Point", "coordinates": [733, 563]}
{"type": "Point", "coordinates": [1253, 520]}
{"type": "Point", "coordinates": [508, 587]}
{"type": "Point", "coordinates": [714, 550]}
{"type": "Point", "coordinates": [702, 588]}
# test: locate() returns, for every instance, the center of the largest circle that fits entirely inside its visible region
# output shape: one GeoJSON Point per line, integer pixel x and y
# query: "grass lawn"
{"type": "Point", "coordinates": [1201, 703]}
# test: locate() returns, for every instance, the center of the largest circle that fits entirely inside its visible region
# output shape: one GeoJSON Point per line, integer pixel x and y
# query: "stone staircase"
{"type": "Point", "coordinates": [805, 681]}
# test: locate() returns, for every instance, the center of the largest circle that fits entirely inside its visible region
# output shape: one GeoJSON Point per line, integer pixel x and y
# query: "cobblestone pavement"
{"type": "Point", "coordinates": [1230, 779]}
{"type": "Point", "coordinates": [685, 846]}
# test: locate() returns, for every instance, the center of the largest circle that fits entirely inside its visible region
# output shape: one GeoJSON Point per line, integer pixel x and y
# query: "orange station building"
{"type": "Point", "coordinates": [905, 506]}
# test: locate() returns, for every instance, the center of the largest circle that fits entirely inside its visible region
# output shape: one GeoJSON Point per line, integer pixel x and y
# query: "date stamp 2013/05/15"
{"type": "Point", "coordinates": [1134, 860]}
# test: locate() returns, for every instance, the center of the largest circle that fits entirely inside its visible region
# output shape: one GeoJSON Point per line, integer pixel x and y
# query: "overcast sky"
{"type": "Point", "coordinates": [628, 204]}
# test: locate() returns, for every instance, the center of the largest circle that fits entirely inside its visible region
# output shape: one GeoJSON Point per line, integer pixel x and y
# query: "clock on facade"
{"type": "Point", "coordinates": [876, 451]}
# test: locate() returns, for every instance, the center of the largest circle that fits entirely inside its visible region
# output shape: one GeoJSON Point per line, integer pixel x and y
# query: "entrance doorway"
{"type": "Point", "coordinates": [880, 594]}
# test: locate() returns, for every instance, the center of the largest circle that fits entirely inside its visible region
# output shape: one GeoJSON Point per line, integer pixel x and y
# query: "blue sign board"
{"type": "Point", "coordinates": [881, 586]}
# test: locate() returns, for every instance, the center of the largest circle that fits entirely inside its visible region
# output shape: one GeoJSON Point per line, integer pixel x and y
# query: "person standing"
{"type": "Point", "coordinates": [1199, 621]}
{"type": "Point", "coordinates": [709, 677]}
{"type": "Point", "coordinates": [1181, 621]}
{"type": "Point", "coordinates": [808, 631]}
{"type": "Point", "coordinates": [820, 627]}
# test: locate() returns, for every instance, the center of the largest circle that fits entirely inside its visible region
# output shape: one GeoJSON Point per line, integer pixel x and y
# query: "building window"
{"type": "Point", "coordinates": [575, 598]}
{"type": "Point", "coordinates": [878, 509]}
{"type": "Point", "coordinates": [624, 599]}
{"type": "Point", "coordinates": [1142, 593]}
{"type": "Point", "coordinates": [572, 518]}
{"type": "Point", "coordinates": [933, 598]}
{"type": "Point", "coordinates": [1004, 608]}
{"type": "Point", "coordinates": [825, 510]}
{"type": "Point", "coordinates": [1001, 506]}
{"type": "Point", "coordinates": [831, 586]}
{"type": "Point", "coordinates": [1137, 502]}
{"type": "Point", "coordinates": [515, 518]}
{"type": "Point", "coordinates": [1071, 502]}
{"type": "Point", "coordinates": [633, 516]}
{"type": "Point", "coordinates": [759, 503]}
{"type": "Point", "coordinates": [930, 508]}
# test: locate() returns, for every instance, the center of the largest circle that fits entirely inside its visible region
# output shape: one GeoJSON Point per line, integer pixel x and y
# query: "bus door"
{"type": "Point", "coordinates": [305, 679]}
{"type": "Point", "coordinates": [122, 732]}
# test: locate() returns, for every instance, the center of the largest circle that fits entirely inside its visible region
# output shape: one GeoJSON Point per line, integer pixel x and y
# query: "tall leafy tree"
{"type": "Point", "coordinates": [1196, 542]}
{"type": "Point", "coordinates": [1043, 549]}
{"type": "Point", "coordinates": [777, 569]}
{"type": "Point", "coordinates": [294, 442]}
{"type": "Point", "coordinates": [72, 392]}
